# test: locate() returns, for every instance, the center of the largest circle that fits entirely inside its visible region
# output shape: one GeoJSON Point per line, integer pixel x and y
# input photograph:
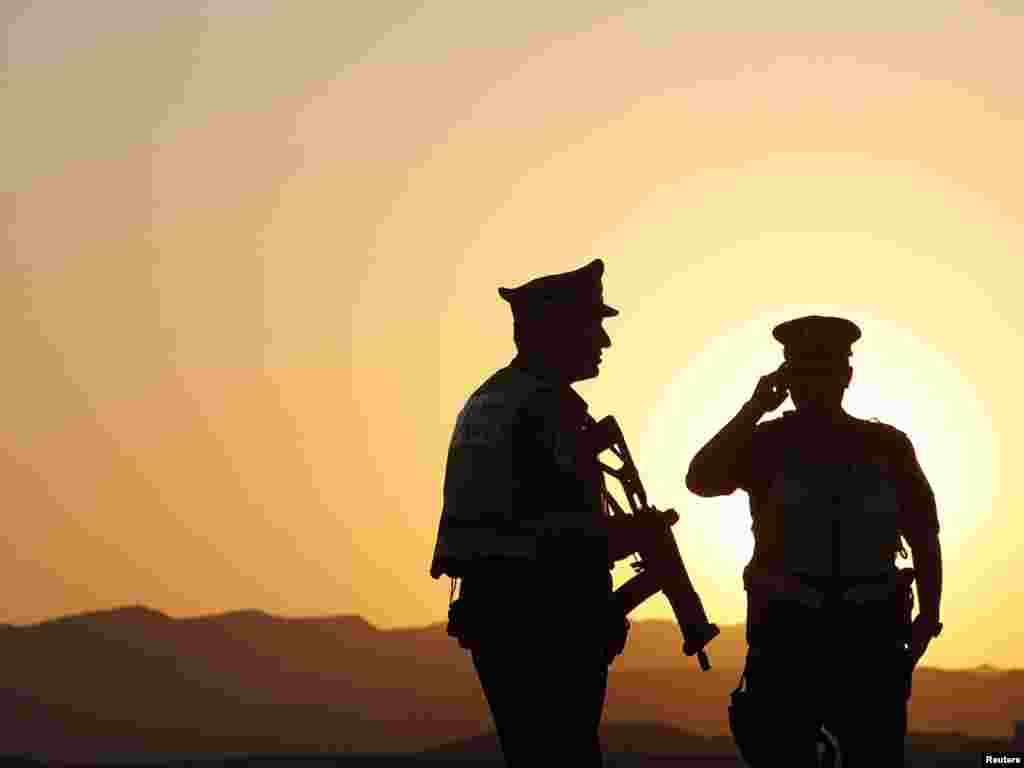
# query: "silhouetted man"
{"type": "Point", "coordinates": [524, 526]}
{"type": "Point", "coordinates": [828, 620]}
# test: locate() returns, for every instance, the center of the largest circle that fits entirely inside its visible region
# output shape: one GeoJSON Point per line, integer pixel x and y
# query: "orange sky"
{"type": "Point", "coordinates": [255, 250]}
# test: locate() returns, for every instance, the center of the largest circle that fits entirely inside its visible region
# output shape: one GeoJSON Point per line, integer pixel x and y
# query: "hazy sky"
{"type": "Point", "coordinates": [254, 251]}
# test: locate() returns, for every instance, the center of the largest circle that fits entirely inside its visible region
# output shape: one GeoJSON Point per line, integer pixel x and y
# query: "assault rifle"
{"type": "Point", "coordinates": [661, 566]}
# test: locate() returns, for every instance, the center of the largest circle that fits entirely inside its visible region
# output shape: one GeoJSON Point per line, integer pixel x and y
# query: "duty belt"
{"type": "Point", "coordinates": [813, 592]}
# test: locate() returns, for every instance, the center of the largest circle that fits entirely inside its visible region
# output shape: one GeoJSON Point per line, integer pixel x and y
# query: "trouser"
{"type": "Point", "coordinates": [842, 668]}
{"type": "Point", "coordinates": [546, 702]}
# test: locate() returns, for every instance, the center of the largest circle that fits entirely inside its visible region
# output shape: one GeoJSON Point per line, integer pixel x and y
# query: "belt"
{"type": "Point", "coordinates": [813, 592]}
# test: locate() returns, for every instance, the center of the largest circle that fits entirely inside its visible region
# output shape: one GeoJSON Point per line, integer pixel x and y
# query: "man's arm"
{"type": "Point", "coordinates": [920, 527]}
{"type": "Point", "coordinates": [713, 471]}
{"type": "Point", "coordinates": [927, 554]}
{"type": "Point", "coordinates": [928, 565]}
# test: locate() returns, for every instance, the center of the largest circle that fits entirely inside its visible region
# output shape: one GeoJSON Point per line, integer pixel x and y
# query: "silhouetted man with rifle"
{"type": "Point", "coordinates": [831, 643]}
{"type": "Point", "coordinates": [527, 530]}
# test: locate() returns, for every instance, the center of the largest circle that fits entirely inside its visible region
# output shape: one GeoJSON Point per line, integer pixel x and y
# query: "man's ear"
{"type": "Point", "coordinates": [849, 375]}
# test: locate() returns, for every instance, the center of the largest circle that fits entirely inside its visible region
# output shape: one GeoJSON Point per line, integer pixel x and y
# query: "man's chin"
{"type": "Point", "coordinates": [588, 371]}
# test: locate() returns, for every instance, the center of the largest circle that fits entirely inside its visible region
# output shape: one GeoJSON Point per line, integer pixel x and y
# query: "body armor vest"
{"type": "Point", "coordinates": [828, 511]}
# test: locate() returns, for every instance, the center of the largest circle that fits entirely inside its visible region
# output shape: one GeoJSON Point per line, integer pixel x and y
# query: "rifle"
{"type": "Point", "coordinates": [661, 566]}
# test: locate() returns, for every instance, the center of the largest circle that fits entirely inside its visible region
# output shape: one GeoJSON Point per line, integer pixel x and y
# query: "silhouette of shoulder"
{"type": "Point", "coordinates": [879, 427]}
{"type": "Point", "coordinates": [892, 438]}
{"type": "Point", "coordinates": [891, 450]}
{"type": "Point", "coordinates": [861, 439]}
{"type": "Point", "coordinates": [871, 428]}
{"type": "Point", "coordinates": [498, 407]}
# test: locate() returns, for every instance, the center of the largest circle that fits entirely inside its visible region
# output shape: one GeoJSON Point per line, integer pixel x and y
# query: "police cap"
{"type": "Point", "coordinates": [577, 293]}
{"type": "Point", "coordinates": [816, 337]}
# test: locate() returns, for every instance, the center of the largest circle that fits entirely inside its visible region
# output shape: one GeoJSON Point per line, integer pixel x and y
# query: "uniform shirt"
{"type": "Point", "coordinates": [830, 500]}
{"type": "Point", "coordinates": [519, 491]}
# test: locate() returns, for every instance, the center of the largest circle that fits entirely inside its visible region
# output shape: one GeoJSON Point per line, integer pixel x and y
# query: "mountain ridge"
{"type": "Point", "coordinates": [139, 610]}
{"type": "Point", "coordinates": [134, 680]}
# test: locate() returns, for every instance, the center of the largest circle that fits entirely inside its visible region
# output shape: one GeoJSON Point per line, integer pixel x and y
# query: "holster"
{"type": "Point", "coordinates": [748, 728]}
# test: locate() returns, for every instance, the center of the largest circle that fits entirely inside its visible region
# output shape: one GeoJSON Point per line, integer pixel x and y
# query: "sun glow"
{"type": "Point", "coordinates": [933, 401]}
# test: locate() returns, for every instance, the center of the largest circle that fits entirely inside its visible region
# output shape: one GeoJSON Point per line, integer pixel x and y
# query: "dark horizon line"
{"type": "Point", "coordinates": [142, 609]}
{"type": "Point", "coordinates": [258, 614]}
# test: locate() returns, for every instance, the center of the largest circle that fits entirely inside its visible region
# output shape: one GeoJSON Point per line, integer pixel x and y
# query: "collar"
{"type": "Point", "coordinates": [812, 418]}
{"type": "Point", "coordinates": [538, 373]}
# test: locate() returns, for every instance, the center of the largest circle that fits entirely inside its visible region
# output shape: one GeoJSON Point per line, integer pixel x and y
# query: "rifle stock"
{"type": "Point", "coordinates": [661, 567]}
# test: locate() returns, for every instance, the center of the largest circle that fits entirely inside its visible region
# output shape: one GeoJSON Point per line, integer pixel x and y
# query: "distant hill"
{"type": "Point", "coordinates": [135, 681]}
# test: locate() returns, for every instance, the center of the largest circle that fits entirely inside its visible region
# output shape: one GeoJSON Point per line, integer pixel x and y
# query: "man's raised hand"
{"type": "Point", "coordinates": [771, 390]}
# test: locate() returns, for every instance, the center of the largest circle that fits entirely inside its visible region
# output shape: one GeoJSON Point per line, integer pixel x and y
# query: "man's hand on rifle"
{"type": "Point", "coordinates": [624, 536]}
{"type": "Point", "coordinates": [628, 533]}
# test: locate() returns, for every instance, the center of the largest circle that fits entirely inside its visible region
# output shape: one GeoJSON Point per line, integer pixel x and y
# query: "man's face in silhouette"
{"type": "Point", "coordinates": [584, 349]}
{"type": "Point", "coordinates": [817, 385]}
{"type": "Point", "coordinates": [569, 346]}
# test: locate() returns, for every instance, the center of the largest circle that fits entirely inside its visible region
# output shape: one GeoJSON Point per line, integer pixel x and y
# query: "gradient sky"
{"type": "Point", "coordinates": [254, 250]}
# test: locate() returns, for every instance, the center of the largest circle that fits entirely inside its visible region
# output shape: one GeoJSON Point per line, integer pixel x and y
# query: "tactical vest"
{"type": "Point", "coordinates": [517, 484]}
{"type": "Point", "coordinates": [828, 514]}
